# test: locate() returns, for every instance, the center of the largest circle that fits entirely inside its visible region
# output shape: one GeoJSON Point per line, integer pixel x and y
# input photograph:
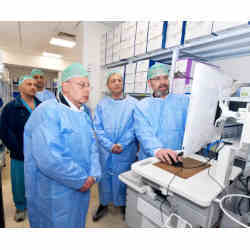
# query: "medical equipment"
{"type": "Point", "coordinates": [193, 199]}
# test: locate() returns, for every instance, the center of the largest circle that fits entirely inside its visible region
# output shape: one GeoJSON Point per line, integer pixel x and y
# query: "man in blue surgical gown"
{"type": "Point", "coordinates": [61, 156]}
{"type": "Point", "coordinates": [42, 93]}
{"type": "Point", "coordinates": [160, 120]}
{"type": "Point", "coordinates": [115, 133]}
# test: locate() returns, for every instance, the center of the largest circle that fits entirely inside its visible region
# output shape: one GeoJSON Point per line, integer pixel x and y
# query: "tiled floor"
{"type": "Point", "coordinates": [112, 220]}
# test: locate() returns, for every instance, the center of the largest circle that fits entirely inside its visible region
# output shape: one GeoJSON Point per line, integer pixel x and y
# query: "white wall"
{"type": "Point", "coordinates": [91, 58]}
{"type": "Point", "coordinates": [238, 68]}
{"type": "Point", "coordinates": [29, 60]}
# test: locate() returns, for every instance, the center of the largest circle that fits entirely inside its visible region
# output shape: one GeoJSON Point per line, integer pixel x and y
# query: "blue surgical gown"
{"type": "Point", "coordinates": [44, 95]}
{"type": "Point", "coordinates": [60, 153]}
{"type": "Point", "coordinates": [113, 124]}
{"type": "Point", "coordinates": [160, 123]}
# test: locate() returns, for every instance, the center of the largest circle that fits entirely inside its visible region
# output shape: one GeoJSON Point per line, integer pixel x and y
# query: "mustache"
{"type": "Point", "coordinates": [160, 93]}
{"type": "Point", "coordinates": [163, 85]}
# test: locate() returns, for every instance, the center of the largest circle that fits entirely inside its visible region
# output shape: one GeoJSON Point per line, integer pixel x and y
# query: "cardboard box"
{"type": "Point", "coordinates": [174, 34]}
{"type": "Point", "coordinates": [128, 32]}
{"type": "Point", "coordinates": [140, 48]}
{"type": "Point", "coordinates": [110, 35]}
{"type": "Point", "coordinates": [129, 77]}
{"type": "Point", "coordinates": [142, 26]}
{"type": "Point", "coordinates": [155, 29]}
{"type": "Point", "coordinates": [109, 59]}
{"type": "Point", "coordinates": [117, 34]}
{"type": "Point", "coordinates": [142, 66]}
{"type": "Point", "coordinates": [116, 57]}
{"type": "Point", "coordinates": [127, 52]}
{"type": "Point", "coordinates": [141, 37]}
{"type": "Point", "coordinates": [223, 26]}
{"type": "Point", "coordinates": [198, 29]}
{"type": "Point", "coordinates": [140, 87]}
{"type": "Point", "coordinates": [154, 44]}
{"type": "Point", "coordinates": [131, 68]}
{"type": "Point", "coordinates": [129, 87]}
{"type": "Point", "coordinates": [141, 76]}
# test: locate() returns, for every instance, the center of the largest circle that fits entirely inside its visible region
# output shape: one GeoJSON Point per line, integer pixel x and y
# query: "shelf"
{"type": "Point", "coordinates": [231, 43]}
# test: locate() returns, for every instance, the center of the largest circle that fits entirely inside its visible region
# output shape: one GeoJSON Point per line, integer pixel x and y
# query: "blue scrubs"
{"type": "Point", "coordinates": [60, 153]}
{"type": "Point", "coordinates": [113, 124]}
{"type": "Point", "coordinates": [17, 177]}
{"type": "Point", "coordinates": [17, 184]}
{"type": "Point", "coordinates": [160, 123]}
{"type": "Point", "coordinates": [44, 95]}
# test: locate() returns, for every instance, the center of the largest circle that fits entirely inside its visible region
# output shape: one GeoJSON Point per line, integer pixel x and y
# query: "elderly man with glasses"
{"type": "Point", "coordinates": [61, 156]}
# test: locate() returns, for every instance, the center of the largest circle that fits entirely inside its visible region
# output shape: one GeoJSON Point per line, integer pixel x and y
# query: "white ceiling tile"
{"type": "Point", "coordinates": [9, 34]}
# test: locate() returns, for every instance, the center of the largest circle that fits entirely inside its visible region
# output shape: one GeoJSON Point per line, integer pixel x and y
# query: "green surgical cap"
{"type": "Point", "coordinates": [36, 72]}
{"type": "Point", "coordinates": [74, 70]}
{"type": "Point", "coordinates": [158, 69]}
{"type": "Point", "coordinates": [23, 78]}
{"type": "Point", "coordinates": [112, 72]}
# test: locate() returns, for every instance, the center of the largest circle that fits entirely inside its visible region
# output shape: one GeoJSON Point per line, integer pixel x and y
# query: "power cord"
{"type": "Point", "coordinates": [167, 195]}
{"type": "Point", "coordinates": [242, 198]}
{"type": "Point", "coordinates": [226, 213]}
{"type": "Point", "coordinates": [222, 188]}
{"type": "Point", "coordinates": [161, 210]}
{"type": "Point", "coordinates": [181, 169]}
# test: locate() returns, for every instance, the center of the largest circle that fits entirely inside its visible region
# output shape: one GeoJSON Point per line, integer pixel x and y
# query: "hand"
{"type": "Point", "coordinates": [116, 149]}
{"type": "Point", "coordinates": [163, 155]}
{"type": "Point", "coordinates": [88, 184]}
{"type": "Point", "coordinates": [119, 146]}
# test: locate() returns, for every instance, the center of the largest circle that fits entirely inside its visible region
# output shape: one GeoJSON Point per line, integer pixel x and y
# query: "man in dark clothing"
{"type": "Point", "coordinates": [12, 121]}
{"type": "Point", "coordinates": [1, 102]}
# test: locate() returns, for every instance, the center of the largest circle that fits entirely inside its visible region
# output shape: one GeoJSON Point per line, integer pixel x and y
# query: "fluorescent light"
{"type": "Point", "coordinates": [62, 42]}
{"type": "Point", "coordinates": [52, 55]}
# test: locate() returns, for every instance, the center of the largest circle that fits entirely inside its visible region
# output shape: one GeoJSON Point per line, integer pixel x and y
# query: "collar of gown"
{"type": "Point", "coordinates": [73, 106]}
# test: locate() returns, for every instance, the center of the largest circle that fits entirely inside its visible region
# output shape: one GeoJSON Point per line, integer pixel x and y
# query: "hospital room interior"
{"type": "Point", "coordinates": [124, 124]}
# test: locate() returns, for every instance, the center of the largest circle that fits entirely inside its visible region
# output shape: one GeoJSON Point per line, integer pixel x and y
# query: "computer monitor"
{"type": "Point", "coordinates": [209, 85]}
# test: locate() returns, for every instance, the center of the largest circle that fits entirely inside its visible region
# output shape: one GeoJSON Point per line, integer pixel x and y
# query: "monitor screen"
{"type": "Point", "coordinates": [209, 85]}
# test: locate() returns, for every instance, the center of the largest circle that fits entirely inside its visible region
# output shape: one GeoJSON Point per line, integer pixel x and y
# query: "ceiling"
{"type": "Point", "coordinates": [34, 37]}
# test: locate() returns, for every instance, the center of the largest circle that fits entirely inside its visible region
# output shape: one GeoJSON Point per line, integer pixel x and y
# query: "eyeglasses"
{"type": "Point", "coordinates": [38, 77]}
{"type": "Point", "coordinates": [82, 85]}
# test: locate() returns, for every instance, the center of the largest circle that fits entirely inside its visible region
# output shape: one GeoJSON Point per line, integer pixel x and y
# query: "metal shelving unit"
{"type": "Point", "coordinates": [230, 43]}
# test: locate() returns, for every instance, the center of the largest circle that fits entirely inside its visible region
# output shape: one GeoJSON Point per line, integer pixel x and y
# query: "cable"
{"type": "Point", "coordinates": [222, 187]}
{"type": "Point", "coordinates": [241, 180]}
{"type": "Point", "coordinates": [162, 219]}
{"type": "Point", "coordinates": [162, 203]}
{"type": "Point", "coordinates": [226, 213]}
{"type": "Point", "coordinates": [173, 180]}
{"type": "Point", "coordinates": [242, 198]}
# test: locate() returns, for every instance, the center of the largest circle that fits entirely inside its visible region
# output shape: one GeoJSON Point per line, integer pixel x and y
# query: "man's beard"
{"type": "Point", "coordinates": [161, 93]}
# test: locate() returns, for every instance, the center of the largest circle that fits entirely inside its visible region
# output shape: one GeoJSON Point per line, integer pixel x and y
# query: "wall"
{"type": "Point", "coordinates": [91, 58]}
